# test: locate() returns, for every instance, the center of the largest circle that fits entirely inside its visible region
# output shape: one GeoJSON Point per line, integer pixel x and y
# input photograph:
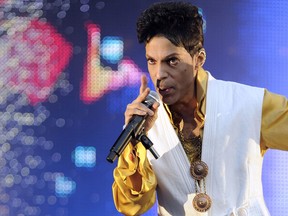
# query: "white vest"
{"type": "Point", "coordinates": [231, 149]}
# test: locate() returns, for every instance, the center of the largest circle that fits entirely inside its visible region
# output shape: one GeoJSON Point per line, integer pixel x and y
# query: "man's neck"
{"type": "Point", "coordinates": [184, 110]}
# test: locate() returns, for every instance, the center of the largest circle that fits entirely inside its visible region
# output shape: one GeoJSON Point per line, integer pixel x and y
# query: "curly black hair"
{"type": "Point", "coordinates": [179, 22]}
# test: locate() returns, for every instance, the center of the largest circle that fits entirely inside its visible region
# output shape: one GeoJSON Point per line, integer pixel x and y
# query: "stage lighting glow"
{"type": "Point", "coordinates": [34, 55]}
{"type": "Point", "coordinates": [98, 79]}
{"type": "Point", "coordinates": [112, 49]}
{"type": "Point", "coordinates": [84, 156]}
{"type": "Point", "coordinates": [64, 186]}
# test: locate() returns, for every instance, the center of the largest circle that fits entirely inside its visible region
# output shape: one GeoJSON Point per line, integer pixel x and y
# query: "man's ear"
{"type": "Point", "coordinates": [201, 58]}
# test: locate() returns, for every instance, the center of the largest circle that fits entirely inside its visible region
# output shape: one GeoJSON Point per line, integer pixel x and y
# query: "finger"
{"type": "Point", "coordinates": [155, 106]}
{"type": "Point", "coordinates": [144, 83]}
{"type": "Point", "coordinates": [138, 109]}
{"type": "Point", "coordinates": [142, 96]}
{"type": "Point", "coordinates": [141, 110]}
{"type": "Point", "coordinates": [154, 109]}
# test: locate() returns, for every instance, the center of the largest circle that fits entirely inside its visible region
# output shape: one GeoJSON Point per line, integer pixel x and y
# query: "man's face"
{"type": "Point", "coordinates": [172, 70]}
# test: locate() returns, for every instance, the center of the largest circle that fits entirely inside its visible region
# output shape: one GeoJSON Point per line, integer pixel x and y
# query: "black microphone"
{"type": "Point", "coordinates": [134, 129]}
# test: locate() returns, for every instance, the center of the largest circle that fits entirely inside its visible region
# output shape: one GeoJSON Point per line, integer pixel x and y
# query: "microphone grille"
{"type": "Point", "coordinates": [153, 96]}
{"type": "Point", "coordinates": [151, 99]}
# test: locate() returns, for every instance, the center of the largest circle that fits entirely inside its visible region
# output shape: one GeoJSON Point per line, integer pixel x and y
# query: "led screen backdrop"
{"type": "Point", "coordinates": [68, 69]}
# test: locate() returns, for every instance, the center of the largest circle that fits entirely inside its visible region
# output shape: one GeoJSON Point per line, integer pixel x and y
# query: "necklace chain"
{"type": "Point", "coordinates": [193, 149]}
{"type": "Point", "coordinates": [192, 146]}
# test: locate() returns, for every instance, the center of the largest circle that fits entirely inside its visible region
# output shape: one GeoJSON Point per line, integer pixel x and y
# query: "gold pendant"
{"type": "Point", "coordinates": [199, 170]}
{"type": "Point", "coordinates": [202, 202]}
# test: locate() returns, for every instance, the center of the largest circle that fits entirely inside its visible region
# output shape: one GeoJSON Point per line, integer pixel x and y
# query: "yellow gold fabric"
{"type": "Point", "coordinates": [274, 127]}
{"type": "Point", "coordinates": [274, 134]}
{"type": "Point", "coordinates": [126, 199]}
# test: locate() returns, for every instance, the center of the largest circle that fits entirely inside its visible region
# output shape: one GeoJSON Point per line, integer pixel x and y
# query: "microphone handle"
{"type": "Point", "coordinates": [132, 130]}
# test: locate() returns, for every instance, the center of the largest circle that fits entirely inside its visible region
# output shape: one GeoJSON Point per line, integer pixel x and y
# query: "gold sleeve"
{"type": "Point", "coordinates": [274, 126]}
{"type": "Point", "coordinates": [127, 200]}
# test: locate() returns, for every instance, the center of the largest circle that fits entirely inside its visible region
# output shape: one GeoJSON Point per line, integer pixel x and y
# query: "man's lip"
{"type": "Point", "coordinates": [164, 87]}
{"type": "Point", "coordinates": [165, 90]}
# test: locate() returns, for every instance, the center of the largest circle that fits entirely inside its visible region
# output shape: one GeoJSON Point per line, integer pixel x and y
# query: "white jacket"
{"type": "Point", "coordinates": [231, 149]}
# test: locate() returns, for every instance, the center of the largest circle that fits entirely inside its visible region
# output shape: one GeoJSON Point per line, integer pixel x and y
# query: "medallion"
{"type": "Point", "coordinates": [199, 170]}
{"type": "Point", "coordinates": [202, 202]}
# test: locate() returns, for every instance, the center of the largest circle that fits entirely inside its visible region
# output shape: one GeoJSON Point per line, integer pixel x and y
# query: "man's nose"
{"type": "Point", "coordinates": [161, 72]}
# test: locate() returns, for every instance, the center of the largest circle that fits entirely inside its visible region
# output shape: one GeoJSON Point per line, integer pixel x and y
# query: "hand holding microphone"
{"type": "Point", "coordinates": [140, 107]}
{"type": "Point", "coordinates": [140, 116]}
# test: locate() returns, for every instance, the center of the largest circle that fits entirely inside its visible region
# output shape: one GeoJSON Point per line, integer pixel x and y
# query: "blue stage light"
{"type": "Point", "coordinates": [112, 49]}
{"type": "Point", "coordinates": [84, 156]}
{"type": "Point", "coordinates": [64, 186]}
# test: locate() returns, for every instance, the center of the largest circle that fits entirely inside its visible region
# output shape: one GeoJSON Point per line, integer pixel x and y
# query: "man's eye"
{"type": "Point", "coordinates": [173, 61]}
{"type": "Point", "coordinates": [150, 61]}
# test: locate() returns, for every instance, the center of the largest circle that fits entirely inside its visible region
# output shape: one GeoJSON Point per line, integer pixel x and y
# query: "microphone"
{"type": "Point", "coordinates": [134, 129]}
